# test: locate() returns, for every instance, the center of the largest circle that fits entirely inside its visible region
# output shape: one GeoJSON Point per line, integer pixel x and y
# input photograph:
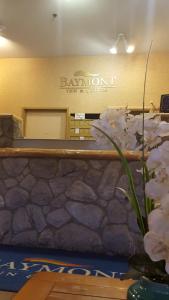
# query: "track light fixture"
{"type": "Point", "coordinates": [121, 42]}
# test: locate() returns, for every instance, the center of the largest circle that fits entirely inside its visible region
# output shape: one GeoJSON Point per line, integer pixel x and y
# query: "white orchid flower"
{"type": "Point", "coordinates": [164, 153]}
{"type": "Point", "coordinates": [115, 117]}
{"type": "Point", "coordinates": [158, 222]}
{"type": "Point", "coordinates": [156, 241]}
{"type": "Point", "coordinates": [158, 162]}
{"type": "Point", "coordinates": [131, 142]}
{"type": "Point", "coordinates": [156, 248]}
{"type": "Point", "coordinates": [156, 190]}
{"type": "Point", "coordinates": [165, 204]}
{"type": "Point", "coordinates": [134, 125]}
{"type": "Point", "coordinates": [151, 139]}
{"type": "Point", "coordinates": [153, 160]}
{"type": "Point", "coordinates": [126, 129]}
{"type": "Point", "coordinates": [167, 266]}
{"type": "Point", "coordinates": [163, 129]}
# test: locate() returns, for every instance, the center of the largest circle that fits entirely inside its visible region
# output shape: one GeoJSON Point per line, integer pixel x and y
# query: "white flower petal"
{"type": "Point", "coordinates": [153, 159]}
{"type": "Point", "coordinates": [167, 266]}
{"type": "Point", "coordinates": [155, 247]}
{"type": "Point", "coordinates": [164, 153]}
{"type": "Point", "coordinates": [159, 223]}
{"type": "Point", "coordinates": [163, 129]}
{"type": "Point", "coordinates": [156, 190]}
{"type": "Point", "coordinates": [165, 204]}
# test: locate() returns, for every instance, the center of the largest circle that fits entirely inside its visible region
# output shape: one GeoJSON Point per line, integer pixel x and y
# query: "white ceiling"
{"type": "Point", "coordinates": [82, 27]}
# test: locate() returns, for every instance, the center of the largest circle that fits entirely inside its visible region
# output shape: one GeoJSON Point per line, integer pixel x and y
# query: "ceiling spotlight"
{"type": "Point", "coordinates": [113, 50]}
{"type": "Point", "coordinates": [130, 48]}
{"type": "Point", "coordinates": [121, 44]}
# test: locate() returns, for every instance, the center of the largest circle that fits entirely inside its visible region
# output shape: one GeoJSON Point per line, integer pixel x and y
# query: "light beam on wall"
{"type": "Point", "coordinates": [3, 40]}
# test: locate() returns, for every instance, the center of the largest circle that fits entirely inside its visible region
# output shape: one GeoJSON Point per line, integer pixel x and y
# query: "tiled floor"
{"type": "Point", "coordinates": [6, 295]}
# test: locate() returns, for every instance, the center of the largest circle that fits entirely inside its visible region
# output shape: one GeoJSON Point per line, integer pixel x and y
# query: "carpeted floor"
{"type": "Point", "coordinates": [18, 264]}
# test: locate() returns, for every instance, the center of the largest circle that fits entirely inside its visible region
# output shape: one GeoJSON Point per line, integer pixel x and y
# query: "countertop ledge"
{"type": "Point", "coordinates": [69, 153]}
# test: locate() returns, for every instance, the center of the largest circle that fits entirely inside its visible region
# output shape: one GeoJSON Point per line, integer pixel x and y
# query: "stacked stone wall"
{"type": "Point", "coordinates": [10, 128]}
{"type": "Point", "coordinates": [70, 204]}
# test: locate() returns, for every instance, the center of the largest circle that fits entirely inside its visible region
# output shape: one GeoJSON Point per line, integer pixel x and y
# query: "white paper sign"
{"type": "Point", "coordinates": [79, 116]}
{"type": "Point", "coordinates": [77, 130]}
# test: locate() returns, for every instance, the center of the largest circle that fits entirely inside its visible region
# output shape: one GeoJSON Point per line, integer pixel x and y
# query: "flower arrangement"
{"type": "Point", "coordinates": [156, 240]}
{"type": "Point", "coordinates": [124, 131]}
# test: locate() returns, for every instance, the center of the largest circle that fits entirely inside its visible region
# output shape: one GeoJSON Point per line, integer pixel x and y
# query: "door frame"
{"type": "Point", "coordinates": [53, 109]}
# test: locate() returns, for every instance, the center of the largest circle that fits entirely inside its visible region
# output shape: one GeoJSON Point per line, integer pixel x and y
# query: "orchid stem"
{"type": "Point", "coordinates": [143, 126]}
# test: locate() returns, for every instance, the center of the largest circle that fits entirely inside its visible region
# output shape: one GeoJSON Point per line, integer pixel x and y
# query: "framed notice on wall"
{"type": "Point", "coordinates": [164, 103]}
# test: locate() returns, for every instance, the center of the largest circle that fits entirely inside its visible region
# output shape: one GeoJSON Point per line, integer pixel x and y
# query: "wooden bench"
{"type": "Point", "coordinates": [60, 286]}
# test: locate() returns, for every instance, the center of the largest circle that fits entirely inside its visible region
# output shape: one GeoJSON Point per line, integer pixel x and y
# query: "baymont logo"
{"type": "Point", "coordinates": [24, 269]}
{"type": "Point", "coordinates": [51, 261]}
{"type": "Point", "coordinates": [83, 81]}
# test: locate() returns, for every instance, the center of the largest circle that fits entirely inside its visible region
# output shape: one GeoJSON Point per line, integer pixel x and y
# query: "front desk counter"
{"type": "Point", "coordinates": [68, 199]}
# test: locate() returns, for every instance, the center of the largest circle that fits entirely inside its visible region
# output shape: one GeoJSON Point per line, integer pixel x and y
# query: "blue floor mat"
{"type": "Point", "coordinates": [18, 264]}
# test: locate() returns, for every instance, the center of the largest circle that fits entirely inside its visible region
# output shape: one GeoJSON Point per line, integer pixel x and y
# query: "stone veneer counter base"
{"type": "Point", "coordinates": [68, 199]}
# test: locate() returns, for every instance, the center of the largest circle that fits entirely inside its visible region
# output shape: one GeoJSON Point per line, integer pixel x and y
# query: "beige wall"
{"type": "Point", "coordinates": [35, 82]}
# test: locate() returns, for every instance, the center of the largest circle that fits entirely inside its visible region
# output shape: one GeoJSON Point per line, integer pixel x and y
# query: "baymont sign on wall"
{"type": "Point", "coordinates": [85, 82]}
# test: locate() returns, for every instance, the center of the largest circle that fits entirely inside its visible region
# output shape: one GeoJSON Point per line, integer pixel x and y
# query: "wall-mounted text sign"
{"type": "Point", "coordinates": [85, 82]}
{"type": "Point", "coordinates": [79, 116]}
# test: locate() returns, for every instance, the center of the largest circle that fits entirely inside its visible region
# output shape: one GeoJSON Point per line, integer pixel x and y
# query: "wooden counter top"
{"type": "Point", "coordinates": [60, 286]}
{"type": "Point", "coordinates": [68, 153]}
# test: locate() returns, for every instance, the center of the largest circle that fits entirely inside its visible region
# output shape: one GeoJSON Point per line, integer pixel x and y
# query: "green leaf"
{"type": "Point", "coordinates": [133, 197]}
{"type": "Point", "coordinates": [148, 203]}
{"type": "Point", "coordinates": [127, 195]}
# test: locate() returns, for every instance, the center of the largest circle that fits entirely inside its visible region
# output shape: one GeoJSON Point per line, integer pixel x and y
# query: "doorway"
{"type": "Point", "coordinates": [45, 123]}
